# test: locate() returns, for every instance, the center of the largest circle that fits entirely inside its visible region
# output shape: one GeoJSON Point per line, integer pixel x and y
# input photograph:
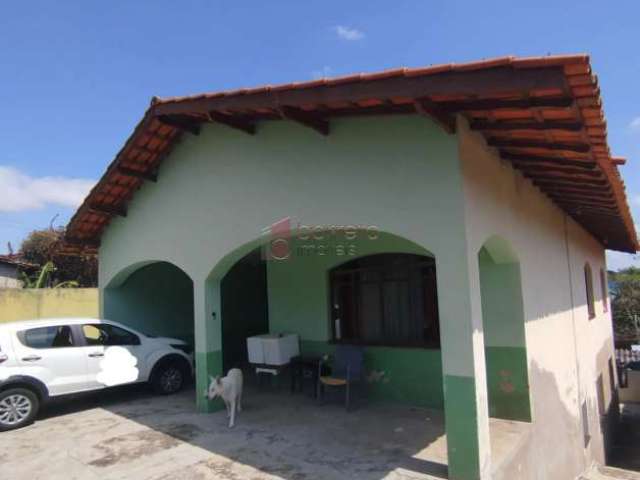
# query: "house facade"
{"type": "Point", "coordinates": [451, 220]}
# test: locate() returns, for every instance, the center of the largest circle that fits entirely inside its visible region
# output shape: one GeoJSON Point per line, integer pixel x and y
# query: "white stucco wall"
{"type": "Point", "coordinates": [217, 191]}
{"type": "Point", "coordinates": [566, 350]}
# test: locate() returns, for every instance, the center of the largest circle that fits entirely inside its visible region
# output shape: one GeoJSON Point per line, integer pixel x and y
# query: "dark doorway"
{"type": "Point", "coordinates": [245, 308]}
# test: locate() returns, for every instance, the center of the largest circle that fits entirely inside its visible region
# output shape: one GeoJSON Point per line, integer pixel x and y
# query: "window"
{"type": "Point", "coordinates": [385, 299]}
{"type": "Point", "coordinates": [58, 336]}
{"type": "Point", "coordinates": [108, 335]}
{"type": "Point", "coordinates": [603, 290]}
{"type": "Point", "coordinates": [588, 282]}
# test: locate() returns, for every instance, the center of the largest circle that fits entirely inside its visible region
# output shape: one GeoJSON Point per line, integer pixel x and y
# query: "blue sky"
{"type": "Point", "coordinates": [75, 77]}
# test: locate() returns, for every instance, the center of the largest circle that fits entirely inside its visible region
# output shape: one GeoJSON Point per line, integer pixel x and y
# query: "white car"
{"type": "Point", "coordinates": [41, 359]}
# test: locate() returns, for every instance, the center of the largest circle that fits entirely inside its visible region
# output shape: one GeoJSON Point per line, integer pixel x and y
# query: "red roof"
{"type": "Point", "coordinates": [543, 114]}
{"type": "Point", "coordinates": [16, 260]}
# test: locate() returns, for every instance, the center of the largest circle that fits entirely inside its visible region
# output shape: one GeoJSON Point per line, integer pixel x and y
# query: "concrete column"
{"type": "Point", "coordinates": [464, 375]}
{"type": "Point", "coordinates": [208, 339]}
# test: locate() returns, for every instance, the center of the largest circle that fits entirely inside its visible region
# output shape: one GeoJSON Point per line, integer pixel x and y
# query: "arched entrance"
{"type": "Point", "coordinates": [155, 298]}
{"type": "Point", "coordinates": [403, 362]}
{"type": "Point", "coordinates": [504, 331]}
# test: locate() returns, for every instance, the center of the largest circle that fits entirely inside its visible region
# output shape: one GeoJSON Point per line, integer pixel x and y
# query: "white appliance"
{"type": "Point", "coordinates": [272, 348]}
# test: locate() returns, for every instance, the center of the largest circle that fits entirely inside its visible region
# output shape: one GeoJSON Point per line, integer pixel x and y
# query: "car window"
{"type": "Point", "coordinates": [58, 336]}
{"type": "Point", "coordinates": [108, 335]}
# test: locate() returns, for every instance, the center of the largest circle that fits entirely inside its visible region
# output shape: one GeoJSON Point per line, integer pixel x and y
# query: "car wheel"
{"type": "Point", "coordinates": [168, 378]}
{"type": "Point", "coordinates": [18, 407]}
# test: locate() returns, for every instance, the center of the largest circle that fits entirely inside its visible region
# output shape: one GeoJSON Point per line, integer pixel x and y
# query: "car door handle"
{"type": "Point", "coordinates": [96, 354]}
{"type": "Point", "coordinates": [31, 358]}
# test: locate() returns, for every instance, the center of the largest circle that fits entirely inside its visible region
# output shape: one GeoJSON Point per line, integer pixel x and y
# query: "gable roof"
{"type": "Point", "coordinates": [543, 114]}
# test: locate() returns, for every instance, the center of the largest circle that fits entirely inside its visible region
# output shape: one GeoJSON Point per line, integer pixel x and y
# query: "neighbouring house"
{"type": "Point", "coordinates": [450, 219]}
{"type": "Point", "coordinates": [10, 267]}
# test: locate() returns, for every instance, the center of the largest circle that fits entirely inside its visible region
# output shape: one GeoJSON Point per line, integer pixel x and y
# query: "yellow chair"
{"type": "Point", "coordinates": [347, 368]}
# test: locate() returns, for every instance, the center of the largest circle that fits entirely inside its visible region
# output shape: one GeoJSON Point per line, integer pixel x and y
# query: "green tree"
{"type": "Point", "coordinates": [625, 305]}
{"type": "Point", "coordinates": [43, 248]}
{"type": "Point", "coordinates": [42, 278]}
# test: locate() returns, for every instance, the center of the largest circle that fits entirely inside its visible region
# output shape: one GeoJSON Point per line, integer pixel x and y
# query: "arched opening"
{"type": "Point", "coordinates": [155, 298]}
{"type": "Point", "coordinates": [299, 300]}
{"type": "Point", "coordinates": [244, 306]}
{"type": "Point", "coordinates": [504, 331]}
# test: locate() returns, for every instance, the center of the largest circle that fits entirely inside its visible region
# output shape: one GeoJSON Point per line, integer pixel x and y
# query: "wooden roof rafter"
{"type": "Point", "coordinates": [542, 114]}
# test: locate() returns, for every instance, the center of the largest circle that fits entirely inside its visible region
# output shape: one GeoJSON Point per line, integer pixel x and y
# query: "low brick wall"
{"type": "Point", "coordinates": [26, 304]}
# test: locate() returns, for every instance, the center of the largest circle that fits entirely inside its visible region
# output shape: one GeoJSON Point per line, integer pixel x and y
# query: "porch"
{"type": "Point", "coordinates": [128, 432]}
{"type": "Point", "coordinates": [396, 299]}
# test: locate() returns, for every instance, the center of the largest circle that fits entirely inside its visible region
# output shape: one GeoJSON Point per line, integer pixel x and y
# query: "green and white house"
{"type": "Point", "coordinates": [373, 210]}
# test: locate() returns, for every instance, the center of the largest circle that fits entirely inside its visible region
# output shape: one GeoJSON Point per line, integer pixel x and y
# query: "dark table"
{"type": "Point", "coordinates": [305, 367]}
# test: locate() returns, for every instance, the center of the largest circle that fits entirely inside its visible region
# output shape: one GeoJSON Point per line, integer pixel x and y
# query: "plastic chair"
{"type": "Point", "coordinates": [347, 368]}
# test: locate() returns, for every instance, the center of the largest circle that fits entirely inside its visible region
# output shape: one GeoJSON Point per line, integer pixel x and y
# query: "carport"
{"type": "Point", "coordinates": [155, 298]}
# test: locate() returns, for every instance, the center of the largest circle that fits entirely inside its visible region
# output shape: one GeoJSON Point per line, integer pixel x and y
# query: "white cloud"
{"type": "Point", "coordinates": [635, 124]}
{"type": "Point", "coordinates": [347, 33]}
{"type": "Point", "coordinates": [20, 192]}
{"type": "Point", "coordinates": [635, 200]}
{"type": "Point", "coordinates": [323, 72]}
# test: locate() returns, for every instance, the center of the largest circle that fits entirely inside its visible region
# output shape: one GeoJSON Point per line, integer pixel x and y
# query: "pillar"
{"type": "Point", "coordinates": [464, 375]}
{"type": "Point", "coordinates": [208, 340]}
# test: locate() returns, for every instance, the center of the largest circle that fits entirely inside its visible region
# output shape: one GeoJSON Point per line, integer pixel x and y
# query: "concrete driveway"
{"type": "Point", "coordinates": [129, 433]}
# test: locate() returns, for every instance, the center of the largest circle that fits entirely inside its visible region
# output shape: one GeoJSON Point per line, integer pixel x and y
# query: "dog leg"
{"type": "Point", "coordinates": [227, 405]}
{"type": "Point", "coordinates": [232, 419]}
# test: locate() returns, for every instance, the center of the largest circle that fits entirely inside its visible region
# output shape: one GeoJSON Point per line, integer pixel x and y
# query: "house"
{"type": "Point", "coordinates": [451, 219]}
{"type": "Point", "coordinates": [10, 266]}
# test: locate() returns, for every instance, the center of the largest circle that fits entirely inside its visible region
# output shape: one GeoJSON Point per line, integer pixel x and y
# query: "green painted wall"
{"type": "Point", "coordinates": [207, 364]}
{"type": "Point", "coordinates": [508, 383]}
{"type": "Point", "coordinates": [299, 303]}
{"type": "Point", "coordinates": [504, 338]}
{"type": "Point", "coordinates": [156, 299]}
{"type": "Point", "coordinates": [461, 419]}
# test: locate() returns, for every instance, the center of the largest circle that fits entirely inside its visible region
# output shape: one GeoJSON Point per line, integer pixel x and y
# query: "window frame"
{"type": "Point", "coordinates": [432, 344]}
{"type": "Point", "coordinates": [22, 337]}
{"type": "Point", "coordinates": [97, 325]}
{"type": "Point", "coordinates": [604, 290]}
{"type": "Point", "coordinates": [588, 280]}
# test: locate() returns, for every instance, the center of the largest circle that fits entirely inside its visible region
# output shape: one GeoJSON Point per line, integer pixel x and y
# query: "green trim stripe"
{"type": "Point", "coordinates": [207, 363]}
{"type": "Point", "coordinates": [462, 427]}
{"type": "Point", "coordinates": [508, 383]}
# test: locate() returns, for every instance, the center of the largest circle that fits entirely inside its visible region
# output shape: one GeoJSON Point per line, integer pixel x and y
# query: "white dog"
{"type": "Point", "coordinates": [229, 388]}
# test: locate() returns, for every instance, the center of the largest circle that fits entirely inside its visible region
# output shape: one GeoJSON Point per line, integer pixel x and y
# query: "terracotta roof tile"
{"type": "Point", "coordinates": [562, 89]}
